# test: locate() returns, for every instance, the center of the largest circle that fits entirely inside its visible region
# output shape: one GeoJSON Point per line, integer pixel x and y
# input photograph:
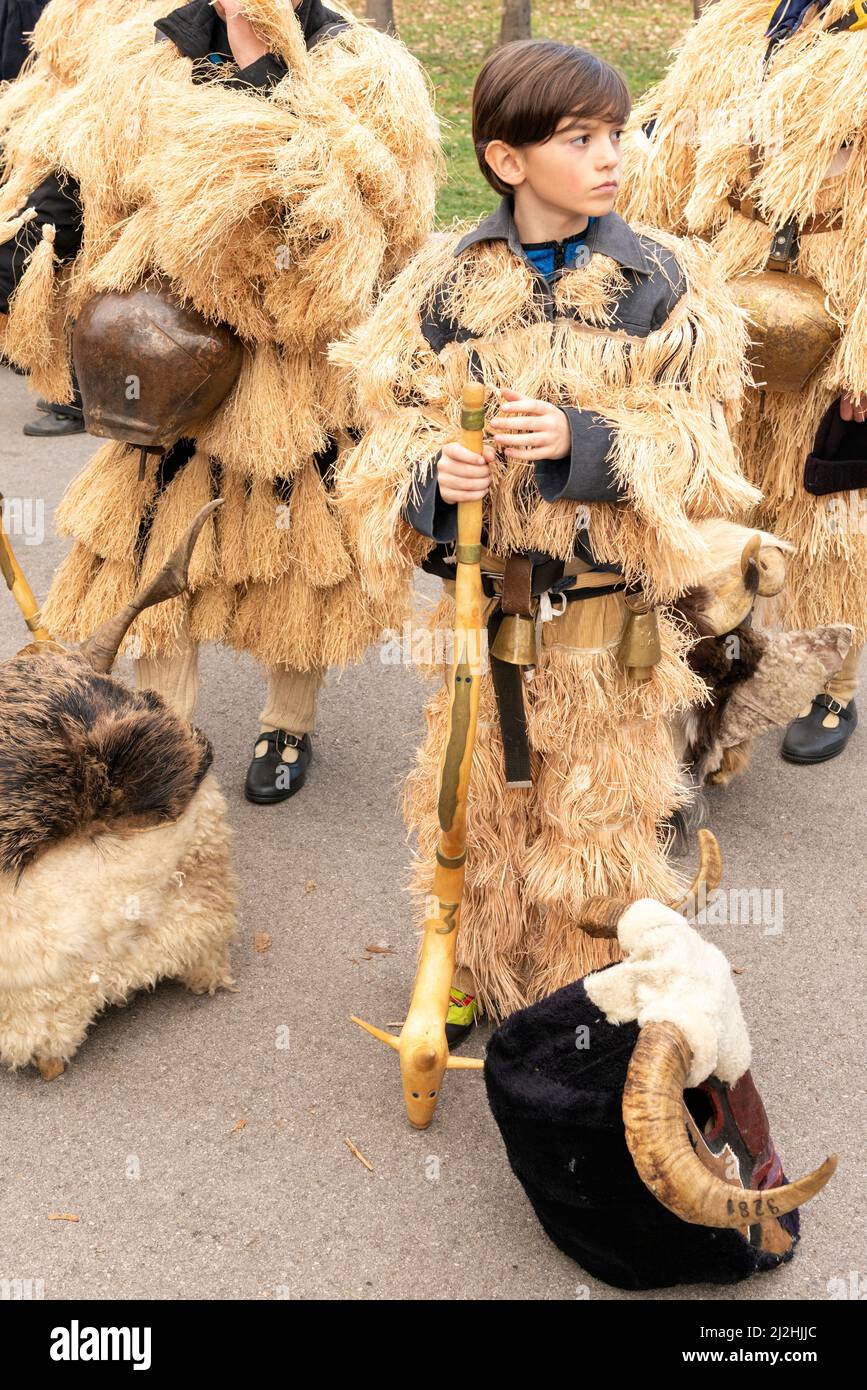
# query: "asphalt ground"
{"type": "Point", "coordinates": [201, 1142]}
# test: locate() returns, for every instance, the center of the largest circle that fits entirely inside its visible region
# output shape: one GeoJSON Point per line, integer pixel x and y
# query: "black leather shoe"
{"type": "Point", "coordinates": [45, 406]}
{"type": "Point", "coordinates": [269, 778]}
{"type": "Point", "coordinates": [808, 741]}
{"type": "Point", "coordinates": [52, 424]}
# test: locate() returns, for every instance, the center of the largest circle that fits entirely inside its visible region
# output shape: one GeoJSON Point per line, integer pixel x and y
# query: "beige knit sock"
{"type": "Point", "coordinates": [843, 685]}
{"type": "Point", "coordinates": [175, 677]}
{"type": "Point", "coordinates": [290, 704]}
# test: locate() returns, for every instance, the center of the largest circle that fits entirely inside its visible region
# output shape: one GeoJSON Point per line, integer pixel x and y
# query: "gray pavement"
{"type": "Point", "coordinates": [138, 1138]}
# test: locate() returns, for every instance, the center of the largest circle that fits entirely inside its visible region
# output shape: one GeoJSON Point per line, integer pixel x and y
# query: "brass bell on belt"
{"type": "Point", "coordinates": [639, 649]}
{"type": "Point", "coordinates": [515, 641]}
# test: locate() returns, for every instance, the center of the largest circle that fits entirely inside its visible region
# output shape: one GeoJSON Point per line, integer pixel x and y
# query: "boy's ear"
{"type": "Point", "coordinates": [506, 162]}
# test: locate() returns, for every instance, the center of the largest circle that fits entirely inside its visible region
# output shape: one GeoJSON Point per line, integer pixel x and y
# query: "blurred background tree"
{"type": "Point", "coordinates": [516, 22]}
{"type": "Point", "coordinates": [381, 12]}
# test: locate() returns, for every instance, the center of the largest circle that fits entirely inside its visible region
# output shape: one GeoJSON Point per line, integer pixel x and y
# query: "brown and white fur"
{"type": "Point", "coordinates": [757, 679]}
{"type": "Point", "coordinates": [114, 854]}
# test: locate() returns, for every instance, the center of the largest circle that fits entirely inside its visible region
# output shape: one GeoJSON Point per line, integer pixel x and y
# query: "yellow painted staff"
{"type": "Point", "coordinates": [424, 1053]}
{"type": "Point", "coordinates": [18, 586]}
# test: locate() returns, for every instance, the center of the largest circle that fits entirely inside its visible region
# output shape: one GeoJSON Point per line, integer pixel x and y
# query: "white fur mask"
{"type": "Point", "coordinates": [672, 975]}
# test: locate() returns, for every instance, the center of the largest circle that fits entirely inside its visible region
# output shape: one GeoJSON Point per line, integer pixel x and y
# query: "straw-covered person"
{"type": "Point", "coordinates": [756, 140]}
{"type": "Point", "coordinates": [276, 165]}
{"type": "Point", "coordinates": [612, 354]}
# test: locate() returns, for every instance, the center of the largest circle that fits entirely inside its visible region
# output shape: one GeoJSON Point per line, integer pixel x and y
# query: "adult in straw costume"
{"type": "Point", "coordinates": [756, 140]}
{"type": "Point", "coordinates": [273, 169]}
{"type": "Point", "coordinates": [636, 338]}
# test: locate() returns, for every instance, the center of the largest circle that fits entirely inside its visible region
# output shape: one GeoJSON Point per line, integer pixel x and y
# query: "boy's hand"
{"type": "Point", "coordinates": [462, 475]}
{"type": "Point", "coordinates": [853, 407]}
{"type": "Point", "coordinates": [529, 429]}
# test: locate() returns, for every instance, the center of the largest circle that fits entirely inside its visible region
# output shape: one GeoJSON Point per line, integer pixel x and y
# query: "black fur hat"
{"type": "Point", "coordinates": [555, 1074]}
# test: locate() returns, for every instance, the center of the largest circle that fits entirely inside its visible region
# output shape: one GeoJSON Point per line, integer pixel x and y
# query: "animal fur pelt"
{"type": "Point", "coordinates": [282, 216]}
{"type": "Point", "coordinates": [114, 866]}
{"type": "Point", "coordinates": [80, 754]}
{"type": "Point", "coordinates": [809, 118]}
{"type": "Point", "coordinates": [96, 918]}
{"type": "Point", "coordinates": [757, 680]}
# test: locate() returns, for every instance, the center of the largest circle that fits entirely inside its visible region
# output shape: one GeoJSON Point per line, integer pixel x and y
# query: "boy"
{"type": "Point", "coordinates": [275, 163]}
{"type": "Point", "coordinates": [610, 351]}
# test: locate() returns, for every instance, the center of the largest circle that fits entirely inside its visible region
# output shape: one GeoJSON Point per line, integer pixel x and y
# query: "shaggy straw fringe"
{"type": "Point", "coordinates": [37, 305]}
{"type": "Point", "coordinates": [662, 394]}
{"type": "Point", "coordinates": [104, 504]}
{"type": "Point", "coordinates": [273, 421]}
{"type": "Point", "coordinates": [280, 217]}
{"type": "Point", "coordinates": [813, 100]}
{"type": "Point", "coordinates": [290, 623]}
{"type": "Point", "coordinates": [10, 229]}
{"type": "Point", "coordinates": [605, 777]}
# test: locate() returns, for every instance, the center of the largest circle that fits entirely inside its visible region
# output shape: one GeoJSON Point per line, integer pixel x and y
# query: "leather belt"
{"type": "Point", "coordinates": [521, 582]}
{"type": "Point", "coordinates": [811, 226]}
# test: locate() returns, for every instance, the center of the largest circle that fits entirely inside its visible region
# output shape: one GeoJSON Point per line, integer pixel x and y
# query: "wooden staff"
{"type": "Point", "coordinates": [424, 1053]}
{"type": "Point", "coordinates": [18, 586]}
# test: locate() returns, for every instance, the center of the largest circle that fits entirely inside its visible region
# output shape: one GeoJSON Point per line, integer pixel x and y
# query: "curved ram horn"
{"type": "Point", "coordinates": [600, 916]}
{"type": "Point", "coordinates": [708, 874]}
{"type": "Point", "coordinates": [750, 553]}
{"type": "Point", "coordinates": [102, 647]}
{"type": "Point", "coordinates": [666, 1161]}
{"type": "Point", "coordinates": [772, 571]}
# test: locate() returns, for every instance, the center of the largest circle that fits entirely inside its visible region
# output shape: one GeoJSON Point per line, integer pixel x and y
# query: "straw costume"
{"type": "Point", "coordinates": [638, 341]}
{"type": "Point", "coordinates": [754, 127]}
{"type": "Point", "coordinates": [278, 200]}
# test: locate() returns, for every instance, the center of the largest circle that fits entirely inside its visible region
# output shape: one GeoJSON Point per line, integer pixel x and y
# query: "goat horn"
{"type": "Point", "coordinates": [102, 647]}
{"type": "Point", "coordinates": [708, 875]}
{"type": "Point", "coordinates": [600, 916]}
{"type": "Point", "coordinates": [666, 1161]}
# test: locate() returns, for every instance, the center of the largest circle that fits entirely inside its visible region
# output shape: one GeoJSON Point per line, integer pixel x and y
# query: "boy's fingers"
{"type": "Point", "coordinates": [526, 404]}
{"type": "Point", "coordinates": [521, 440]}
{"type": "Point", "coordinates": [471, 495]}
{"type": "Point", "coordinates": [466, 476]}
{"type": "Point", "coordinates": [456, 453]}
{"type": "Point", "coordinates": [474, 480]}
{"type": "Point", "coordinates": [519, 422]}
{"type": "Point", "coordinates": [474, 472]}
{"type": "Point", "coordinates": [530, 451]}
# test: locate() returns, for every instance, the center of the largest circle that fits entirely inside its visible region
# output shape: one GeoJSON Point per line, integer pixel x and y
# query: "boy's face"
{"type": "Point", "coordinates": [577, 171]}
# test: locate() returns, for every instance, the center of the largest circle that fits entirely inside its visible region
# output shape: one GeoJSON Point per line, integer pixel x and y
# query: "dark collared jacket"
{"type": "Point", "coordinates": [17, 18]}
{"type": "Point", "coordinates": [654, 286]}
{"type": "Point", "coordinates": [197, 31]}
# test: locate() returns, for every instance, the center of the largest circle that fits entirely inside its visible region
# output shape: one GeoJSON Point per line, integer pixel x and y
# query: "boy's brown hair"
{"type": "Point", "coordinates": [525, 89]}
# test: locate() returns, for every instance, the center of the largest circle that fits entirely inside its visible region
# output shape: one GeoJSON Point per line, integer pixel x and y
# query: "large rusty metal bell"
{"type": "Point", "coordinates": [150, 369]}
{"type": "Point", "coordinates": [640, 649]}
{"type": "Point", "coordinates": [791, 330]}
{"type": "Point", "coordinates": [515, 641]}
